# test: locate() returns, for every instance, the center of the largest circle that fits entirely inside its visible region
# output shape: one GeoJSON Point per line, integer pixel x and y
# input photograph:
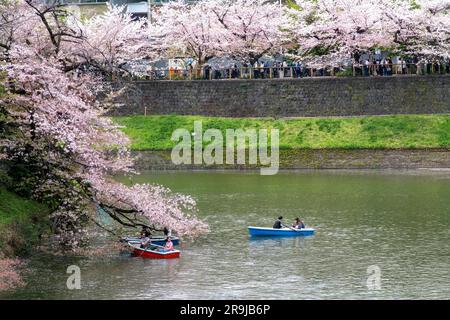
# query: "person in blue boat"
{"type": "Point", "coordinates": [145, 242]}
{"type": "Point", "coordinates": [146, 232]}
{"type": "Point", "coordinates": [298, 224]}
{"type": "Point", "coordinates": [278, 224]}
{"type": "Point", "coordinates": [167, 232]}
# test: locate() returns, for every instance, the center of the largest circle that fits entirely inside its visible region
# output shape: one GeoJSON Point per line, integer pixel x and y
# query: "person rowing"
{"type": "Point", "coordinates": [278, 223]}
{"type": "Point", "coordinates": [145, 242]}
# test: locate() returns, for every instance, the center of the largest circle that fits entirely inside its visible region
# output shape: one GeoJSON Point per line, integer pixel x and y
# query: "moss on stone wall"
{"type": "Point", "coordinates": [317, 159]}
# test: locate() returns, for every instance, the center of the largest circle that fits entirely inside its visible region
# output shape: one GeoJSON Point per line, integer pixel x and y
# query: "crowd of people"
{"type": "Point", "coordinates": [258, 70]}
{"type": "Point", "coordinates": [389, 67]}
{"type": "Point", "coordinates": [297, 69]}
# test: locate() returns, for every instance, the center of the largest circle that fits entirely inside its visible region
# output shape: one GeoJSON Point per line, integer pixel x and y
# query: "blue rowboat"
{"type": "Point", "coordinates": [283, 232]}
{"type": "Point", "coordinates": [161, 241]}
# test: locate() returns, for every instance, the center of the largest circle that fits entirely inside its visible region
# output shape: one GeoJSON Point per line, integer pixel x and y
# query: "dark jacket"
{"type": "Point", "coordinates": [277, 225]}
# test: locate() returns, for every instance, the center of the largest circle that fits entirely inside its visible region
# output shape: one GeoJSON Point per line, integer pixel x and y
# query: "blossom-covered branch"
{"type": "Point", "coordinates": [330, 31]}
{"type": "Point", "coordinates": [57, 145]}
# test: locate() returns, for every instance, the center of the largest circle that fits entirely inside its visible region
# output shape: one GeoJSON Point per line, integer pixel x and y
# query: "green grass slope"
{"type": "Point", "coordinates": [21, 223]}
{"type": "Point", "coordinates": [374, 132]}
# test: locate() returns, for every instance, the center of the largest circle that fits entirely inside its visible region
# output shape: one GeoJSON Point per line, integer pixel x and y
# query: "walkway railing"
{"type": "Point", "coordinates": [296, 72]}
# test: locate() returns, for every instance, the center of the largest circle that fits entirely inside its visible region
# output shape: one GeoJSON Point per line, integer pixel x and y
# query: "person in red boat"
{"type": "Point", "coordinates": [169, 244]}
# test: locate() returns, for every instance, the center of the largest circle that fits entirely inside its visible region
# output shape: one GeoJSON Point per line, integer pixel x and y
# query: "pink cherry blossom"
{"type": "Point", "coordinates": [9, 273]}
{"type": "Point", "coordinates": [180, 28]}
{"type": "Point", "coordinates": [54, 67]}
{"type": "Point", "coordinates": [330, 31]}
{"type": "Point", "coordinates": [242, 29]}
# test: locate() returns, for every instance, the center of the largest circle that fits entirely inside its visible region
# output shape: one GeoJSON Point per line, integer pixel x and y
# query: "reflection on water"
{"type": "Point", "coordinates": [398, 221]}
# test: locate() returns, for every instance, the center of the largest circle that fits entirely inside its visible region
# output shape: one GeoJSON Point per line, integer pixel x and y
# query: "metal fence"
{"type": "Point", "coordinates": [292, 72]}
{"type": "Point", "coordinates": [78, 1]}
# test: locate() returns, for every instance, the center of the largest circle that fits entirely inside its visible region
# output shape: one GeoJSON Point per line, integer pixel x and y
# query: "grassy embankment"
{"type": "Point", "coordinates": [21, 223]}
{"type": "Point", "coordinates": [21, 220]}
{"type": "Point", "coordinates": [374, 132]}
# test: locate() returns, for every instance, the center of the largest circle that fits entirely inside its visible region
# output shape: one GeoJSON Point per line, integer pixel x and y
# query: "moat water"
{"type": "Point", "coordinates": [395, 222]}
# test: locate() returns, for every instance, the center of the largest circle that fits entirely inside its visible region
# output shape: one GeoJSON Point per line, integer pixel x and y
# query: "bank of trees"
{"type": "Point", "coordinates": [56, 145]}
{"type": "Point", "coordinates": [242, 29]}
{"type": "Point", "coordinates": [327, 31]}
{"type": "Point", "coordinates": [322, 31]}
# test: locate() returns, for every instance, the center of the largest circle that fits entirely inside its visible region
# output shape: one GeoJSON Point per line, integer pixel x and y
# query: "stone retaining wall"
{"type": "Point", "coordinates": [320, 159]}
{"type": "Point", "coordinates": [326, 96]}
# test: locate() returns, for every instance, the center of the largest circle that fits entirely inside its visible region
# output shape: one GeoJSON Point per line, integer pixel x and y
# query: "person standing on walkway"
{"type": "Point", "coordinates": [206, 71]}
{"type": "Point", "coordinates": [255, 70]}
{"type": "Point", "coordinates": [366, 67]}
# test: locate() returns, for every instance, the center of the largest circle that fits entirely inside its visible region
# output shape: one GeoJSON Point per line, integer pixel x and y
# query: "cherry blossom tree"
{"type": "Point", "coordinates": [322, 32]}
{"type": "Point", "coordinates": [329, 31]}
{"type": "Point", "coordinates": [111, 40]}
{"type": "Point", "coordinates": [421, 28]}
{"type": "Point", "coordinates": [55, 142]}
{"type": "Point", "coordinates": [250, 29]}
{"type": "Point", "coordinates": [186, 29]}
{"type": "Point", "coordinates": [242, 29]}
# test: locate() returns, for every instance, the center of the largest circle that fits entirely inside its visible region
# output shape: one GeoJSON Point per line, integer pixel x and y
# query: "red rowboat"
{"type": "Point", "coordinates": [153, 252]}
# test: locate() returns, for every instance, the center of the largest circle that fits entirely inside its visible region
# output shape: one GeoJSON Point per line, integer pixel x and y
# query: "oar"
{"type": "Point", "coordinates": [159, 247]}
{"type": "Point", "coordinates": [290, 228]}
